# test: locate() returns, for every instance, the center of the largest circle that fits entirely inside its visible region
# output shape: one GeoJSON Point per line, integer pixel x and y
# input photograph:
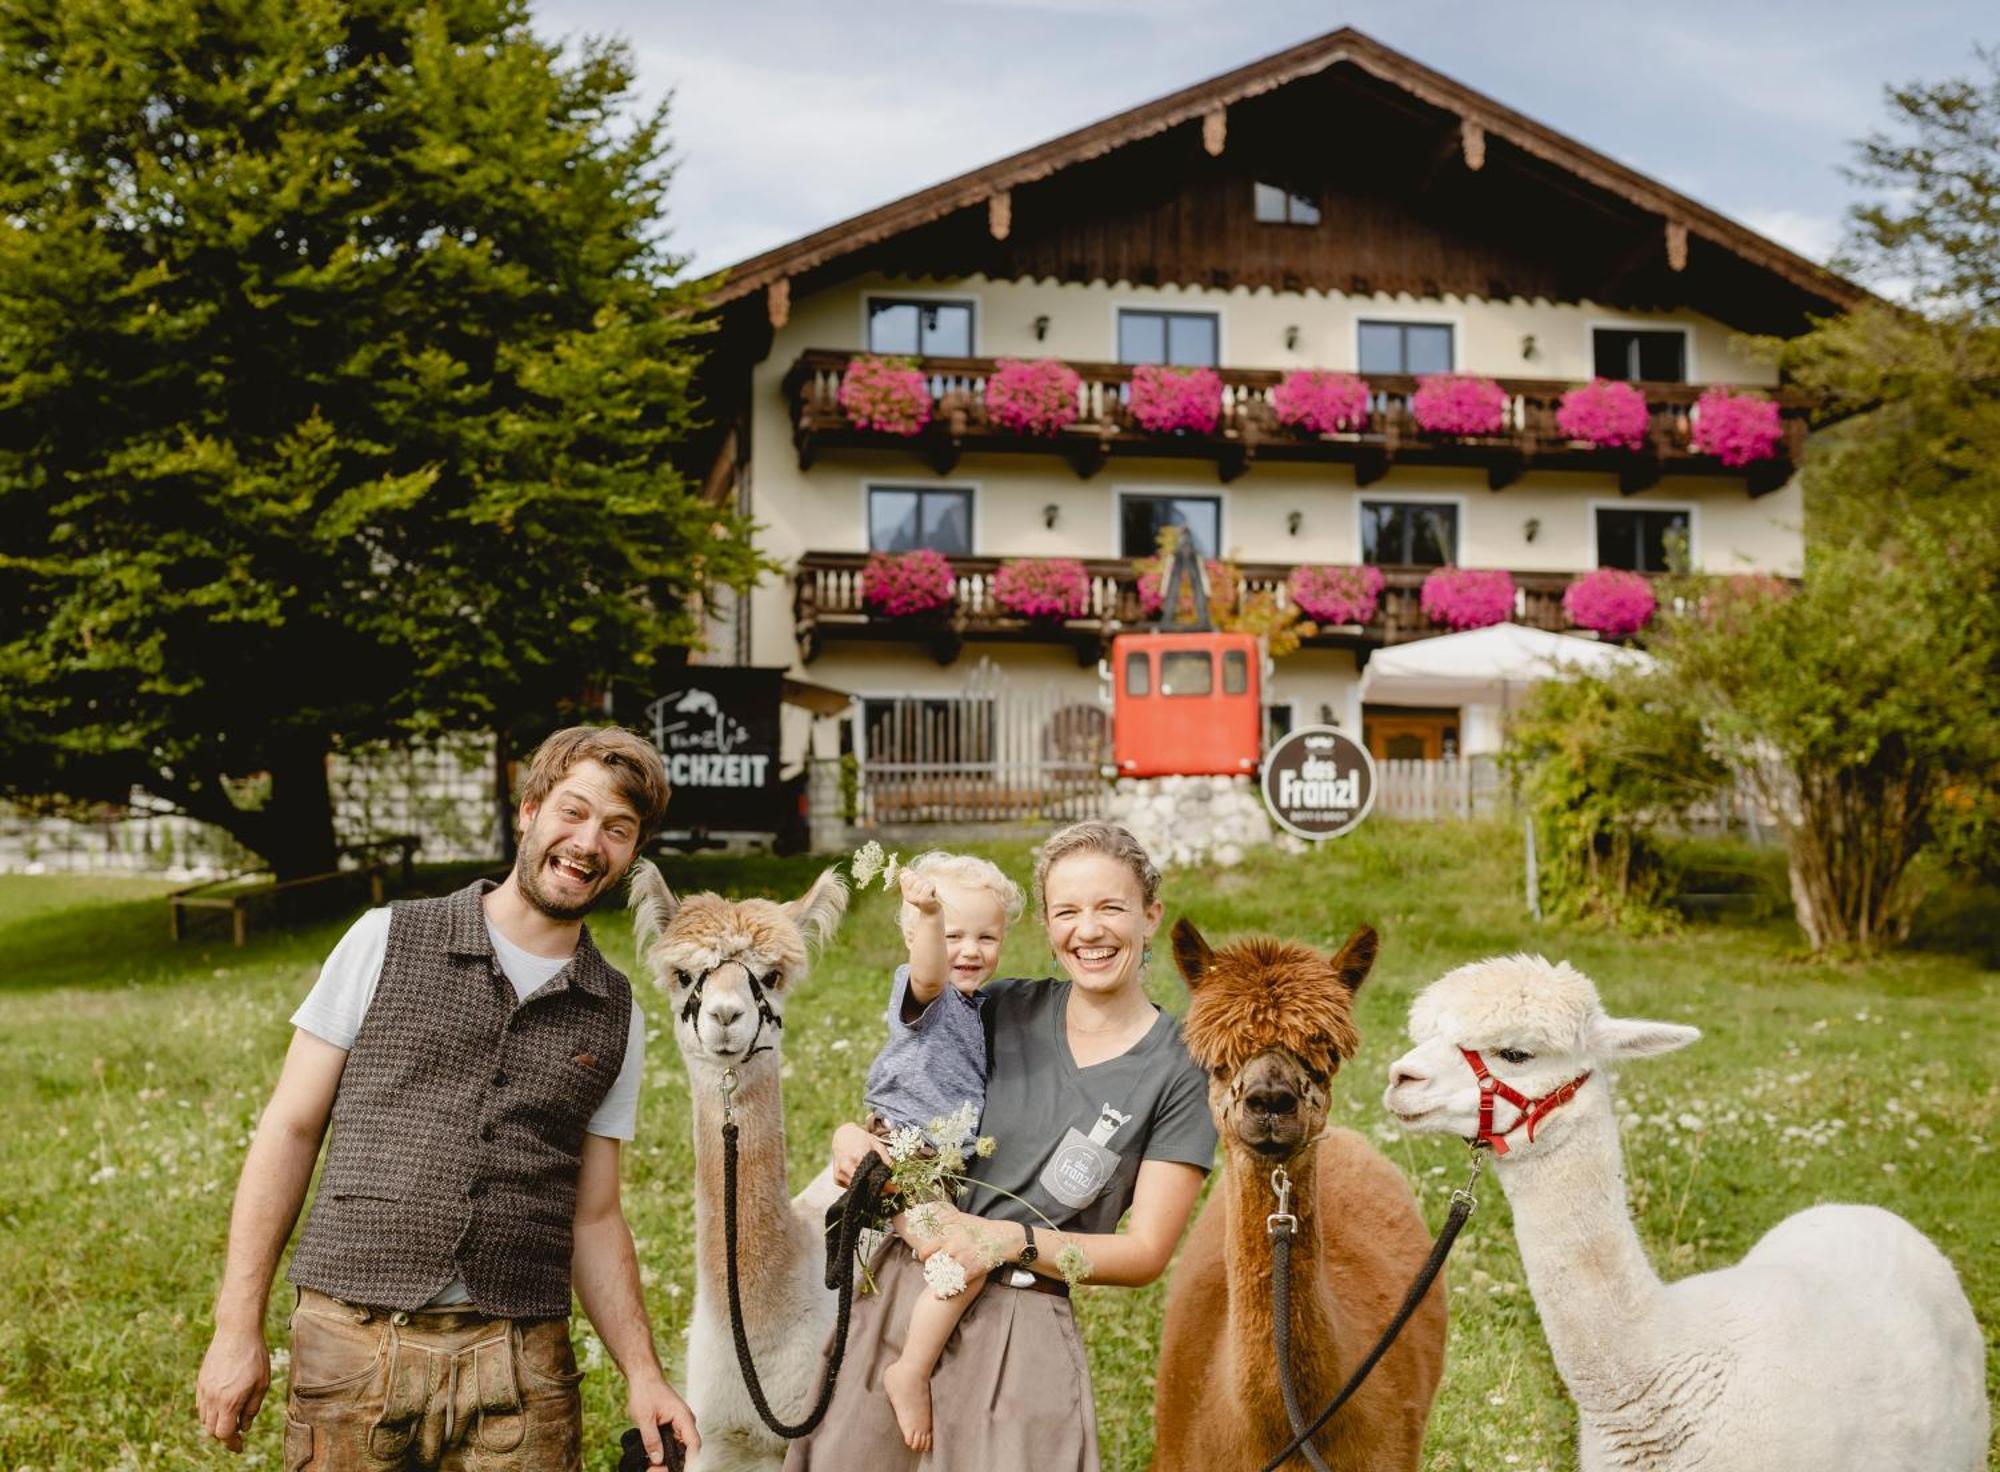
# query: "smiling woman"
{"type": "Point", "coordinates": [1095, 1107]}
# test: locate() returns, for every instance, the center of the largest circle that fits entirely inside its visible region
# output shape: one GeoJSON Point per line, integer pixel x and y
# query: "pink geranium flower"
{"type": "Point", "coordinates": [1336, 595]}
{"type": "Point", "coordinates": [1165, 399]}
{"type": "Point", "coordinates": [1611, 601]}
{"type": "Point", "coordinates": [1449, 403]}
{"type": "Point", "coordinates": [1043, 587]}
{"type": "Point", "coordinates": [1468, 597]}
{"type": "Point", "coordinates": [903, 583]}
{"type": "Point", "coordinates": [1736, 428]}
{"type": "Point", "coordinates": [1606, 413]}
{"type": "Point", "coordinates": [1033, 398]}
{"type": "Point", "coordinates": [885, 394]}
{"type": "Point", "coordinates": [1321, 403]}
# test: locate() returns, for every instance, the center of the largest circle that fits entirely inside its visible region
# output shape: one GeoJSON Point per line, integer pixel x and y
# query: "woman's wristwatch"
{"type": "Point", "coordinates": [1028, 1250]}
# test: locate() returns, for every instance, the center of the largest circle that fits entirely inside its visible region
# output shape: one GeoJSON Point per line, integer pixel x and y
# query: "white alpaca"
{"type": "Point", "coordinates": [703, 953]}
{"type": "Point", "coordinates": [1841, 1342]}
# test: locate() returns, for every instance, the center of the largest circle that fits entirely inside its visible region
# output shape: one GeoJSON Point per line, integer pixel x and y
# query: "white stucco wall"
{"type": "Point", "coordinates": [823, 509]}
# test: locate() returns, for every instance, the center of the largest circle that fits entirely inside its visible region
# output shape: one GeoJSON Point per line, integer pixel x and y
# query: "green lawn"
{"type": "Point", "coordinates": [131, 1073]}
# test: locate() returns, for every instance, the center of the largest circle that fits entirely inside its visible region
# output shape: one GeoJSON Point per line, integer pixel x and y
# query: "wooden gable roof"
{"type": "Point", "coordinates": [1429, 188]}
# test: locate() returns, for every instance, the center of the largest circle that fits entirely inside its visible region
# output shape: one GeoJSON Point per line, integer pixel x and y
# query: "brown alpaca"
{"type": "Point", "coordinates": [1271, 1022]}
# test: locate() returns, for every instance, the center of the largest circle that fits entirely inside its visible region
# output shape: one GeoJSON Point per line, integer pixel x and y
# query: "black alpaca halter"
{"type": "Point", "coordinates": [759, 987]}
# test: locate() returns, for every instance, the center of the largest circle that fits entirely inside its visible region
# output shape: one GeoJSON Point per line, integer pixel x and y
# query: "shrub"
{"type": "Point", "coordinates": [1605, 413]}
{"type": "Point", "coordinates": [886, 394]}
{"type": "Point", "coordinates": [1736, 428]}
{"type": "Point", "coordinates": [1321, 403]}
{"type": "Point", "coordinates": [1045, 587]}
{"type": "Point", "coordinates": [903, 583]}
{"type": "Point", "coordinates": [1449, 403]}
{"type": "Point", "coordinates": [1468, 597]}
{"type": "Point", "coordinates": [1336, 595]}
{"type": "Point", "coordinates": [1611, 601]}
{"type": "Point", "coordinates": [1166, 400]}
{"type": "Point", "coordinates": [1033, 397]}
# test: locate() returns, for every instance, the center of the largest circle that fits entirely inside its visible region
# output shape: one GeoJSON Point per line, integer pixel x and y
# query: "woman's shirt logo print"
{"type": "Point", "coordinates": [1083, 1165]}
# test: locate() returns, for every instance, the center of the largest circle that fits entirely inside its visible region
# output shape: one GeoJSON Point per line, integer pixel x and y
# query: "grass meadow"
{"type": "Point", "coordinates": [132, 1072]}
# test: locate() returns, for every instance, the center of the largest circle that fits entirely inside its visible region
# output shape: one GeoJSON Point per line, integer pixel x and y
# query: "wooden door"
{"type": "Point", "coordinates": [1426, 736]}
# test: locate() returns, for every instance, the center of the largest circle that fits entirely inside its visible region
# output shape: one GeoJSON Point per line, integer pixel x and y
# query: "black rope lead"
{"type": "Point", "coordinates": [1462, 1202]}
{"type": "Point", "coordinates": [869, 1179]}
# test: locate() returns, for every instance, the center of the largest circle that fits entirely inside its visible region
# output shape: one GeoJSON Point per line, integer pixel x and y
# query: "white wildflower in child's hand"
{"type": "Point", "coordinates": [889, 870]}
{"type": "Point", "coordinates": [952, 1131]}
{"type": "Point", "coordinates": [951, 1162]}
{"type": "Point", "coordinates": [945, 1275]}
{"type": "Point", "coordinates": [866, 864]}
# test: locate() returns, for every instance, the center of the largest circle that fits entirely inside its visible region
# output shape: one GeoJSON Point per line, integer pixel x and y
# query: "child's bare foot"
{"type": "Point", "coordinates": [909, 1390]}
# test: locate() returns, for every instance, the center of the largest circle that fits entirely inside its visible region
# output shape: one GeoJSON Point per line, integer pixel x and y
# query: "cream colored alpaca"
{"type": "Point", "coordinates": [722, 944]}
{"type": "Point", "coordinates": [1842, 1341]}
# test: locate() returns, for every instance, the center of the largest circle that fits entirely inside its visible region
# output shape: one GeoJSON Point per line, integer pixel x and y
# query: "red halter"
{"type": "Point", "coordinates": [1533, 1111]}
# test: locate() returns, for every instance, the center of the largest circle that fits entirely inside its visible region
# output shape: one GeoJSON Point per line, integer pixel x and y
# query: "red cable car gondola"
{"type": "Point", "coordinates": [1186, 699]}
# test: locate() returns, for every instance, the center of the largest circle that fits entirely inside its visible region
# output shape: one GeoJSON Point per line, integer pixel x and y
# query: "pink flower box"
{"type": "Point", "coordinates": [1736, 428]}
{"type": "Point", "coordinates": [1165, 400]}
{"type": "Point", "coordinates": [1336, 595]}
{"type": "Point", "coordinates": [885, 394]}
{"type": "Point", "coordinates": [1468, 597]}
{"type": "Point", "coordinates": [1047, 587]}
{"type": "Point", "coordinates": [1611, 601]}
{"type": "Point", "coordinates": [1033, 397]}
{"type": "Point", "coordinates": [1606, 413]}
{"type": "Point", "coordinates": [901, 584]}
{"type": "Point", "coordinates": [1449, 403]}
{"type": "Point", "coordinates": [1321, 403]}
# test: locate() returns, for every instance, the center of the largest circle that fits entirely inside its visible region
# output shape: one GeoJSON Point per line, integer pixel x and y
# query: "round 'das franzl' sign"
{"type": "Point", "coordinates": [1318, 783]}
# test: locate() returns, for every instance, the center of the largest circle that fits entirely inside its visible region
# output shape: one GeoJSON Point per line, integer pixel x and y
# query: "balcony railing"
{"type": "Point", "coordinates": [1249, 430]}
{"type": "Point", "coordinates": [827, 603]}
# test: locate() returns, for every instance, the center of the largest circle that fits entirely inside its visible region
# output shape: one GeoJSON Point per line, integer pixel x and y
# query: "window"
{"type": "Point", "coordinates": [1138, 674]}
{"type": "Point", "coordinates": [1406, 347]}
{"type": "Point", "coordinates": [1414, 533]}
{"type": "Point", "coordinates": [1186, 672]}
{"type": "Point", "coordinates": [903, 518]}
{"type": "Point", "coordinates": [912, 729]}
{"type": "Point", "coordinates": [1635, 539]}
{"type": "Point", "coordinates": [1277, 206]}
{"type": "Point", "coordinates": [1184, 339]}
{"type": "Point", "coordinates": [1235, 672]}
{"type": "Point", "coordinates": [1637, 356]}
{"type": "Point", "coordinates": [1140, 519]}
{"type": "Point", "coordinates": [924, 328]}
{"type": "Point", "coordinates": [1277, 724]}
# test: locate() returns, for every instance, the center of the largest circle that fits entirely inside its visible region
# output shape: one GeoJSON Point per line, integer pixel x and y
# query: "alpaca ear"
{"type": "Point", "coordinates": [1191, 952]}
{"type": "Point", "coordinates": [653, 905]}
{"type": "Point", "coordinates": [1357, 958]}
{"type": "Point", "coordinates": [819, 909]}
{"type": "Point", "coordinates": [1612, 1038]}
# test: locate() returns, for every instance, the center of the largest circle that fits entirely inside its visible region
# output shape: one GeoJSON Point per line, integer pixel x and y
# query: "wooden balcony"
{"type": "Point", "coordinates": [827, 604]}
{"type": "Point", "coordinates": [1249, 430]}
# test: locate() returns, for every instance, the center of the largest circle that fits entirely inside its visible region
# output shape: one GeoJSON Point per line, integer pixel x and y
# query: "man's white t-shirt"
{"type": "Point", "coordinates": [333, 1010]}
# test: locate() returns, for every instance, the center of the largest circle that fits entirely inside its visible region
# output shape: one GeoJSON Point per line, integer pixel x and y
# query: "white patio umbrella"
{"type": "Point", "coordinates": [1490, 666]}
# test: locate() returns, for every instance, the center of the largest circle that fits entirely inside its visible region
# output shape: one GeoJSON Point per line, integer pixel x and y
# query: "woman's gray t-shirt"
{"type": "Point", "coordinates": [1069, 1140]}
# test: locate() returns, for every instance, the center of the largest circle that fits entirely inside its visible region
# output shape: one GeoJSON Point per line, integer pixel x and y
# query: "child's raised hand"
{"type": "Point", "coordinates": [920, 892]}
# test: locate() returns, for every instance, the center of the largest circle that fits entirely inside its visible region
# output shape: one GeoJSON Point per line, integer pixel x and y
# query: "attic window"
{"type": "Point", "coordinates": [1277, 206]}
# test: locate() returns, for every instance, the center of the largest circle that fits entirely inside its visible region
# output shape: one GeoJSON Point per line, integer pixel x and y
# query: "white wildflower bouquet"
{"type": "Point", "coordinates": [927, 1169]}
{"type": "Point", "coordinates": [868, 861]}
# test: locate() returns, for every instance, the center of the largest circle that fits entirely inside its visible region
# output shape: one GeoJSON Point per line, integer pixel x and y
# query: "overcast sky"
{"type": "Point", "coordinates": [789, 116]}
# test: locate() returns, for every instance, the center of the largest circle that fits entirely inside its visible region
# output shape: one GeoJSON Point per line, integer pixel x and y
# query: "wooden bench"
{"type": "Point", "coordinates": [184, 904]}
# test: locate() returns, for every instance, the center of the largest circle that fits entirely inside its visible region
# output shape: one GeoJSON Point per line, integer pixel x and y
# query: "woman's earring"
{"type": "Point", "coordinates": [1145, 957]}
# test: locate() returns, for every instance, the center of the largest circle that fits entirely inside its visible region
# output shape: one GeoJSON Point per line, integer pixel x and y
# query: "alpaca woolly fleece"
{"type": "Point", "coordinates": [1518, 1001]}
{"type": "Point", "coordinates": [1263, 993]}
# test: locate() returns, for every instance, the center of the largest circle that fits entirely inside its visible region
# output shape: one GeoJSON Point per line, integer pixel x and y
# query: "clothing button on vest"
{"type": "Point", "coordinates": [499, 1078]}
{"type": "Point", "coordinates": [486, 1132]}
{"type": "Point", "coordinates": [476, 1190]}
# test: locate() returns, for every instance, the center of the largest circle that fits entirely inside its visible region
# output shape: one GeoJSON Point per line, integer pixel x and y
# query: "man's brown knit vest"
{"type": "Point", "coordinates": [458, 1127]}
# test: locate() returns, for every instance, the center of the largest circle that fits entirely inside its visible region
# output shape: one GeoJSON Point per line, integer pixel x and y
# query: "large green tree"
{"type": "Point", "coordinates": [1866, 706]}
{"type": "Point", "coordinates": [342, 366]}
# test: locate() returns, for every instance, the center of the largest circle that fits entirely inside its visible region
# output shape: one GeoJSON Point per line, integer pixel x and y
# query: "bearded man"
{"type": "Point", "coordinates": [479, 1062]}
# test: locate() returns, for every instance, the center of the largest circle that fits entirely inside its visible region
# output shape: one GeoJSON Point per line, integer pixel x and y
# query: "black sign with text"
{"type": "Point", "coordinates": [717, 731]}
{"type": "Point", "coordinates": [1318, 783]}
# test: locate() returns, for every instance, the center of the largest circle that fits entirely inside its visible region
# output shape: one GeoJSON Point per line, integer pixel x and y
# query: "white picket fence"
{"type": "Point", "coordinates": [1457, 787]}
